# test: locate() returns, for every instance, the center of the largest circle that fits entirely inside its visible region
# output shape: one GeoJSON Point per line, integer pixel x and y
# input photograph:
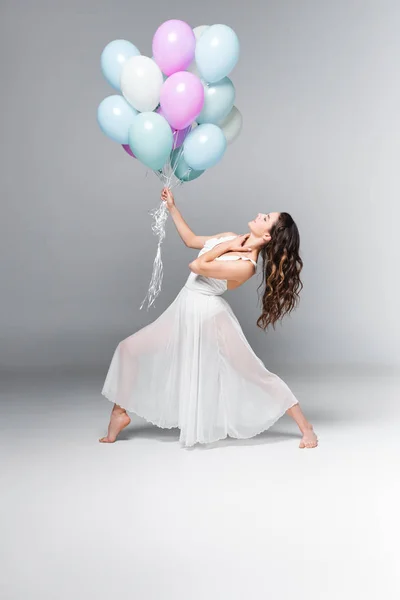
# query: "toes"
{"type": "Point", "coordinates": [308, 443]}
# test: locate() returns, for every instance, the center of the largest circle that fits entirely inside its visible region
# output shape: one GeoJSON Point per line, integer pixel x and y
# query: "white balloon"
{"type": "Point", "coordinates": [141, 83]}
{"type": "Point", "coordinates": [232, 125]}
{"type": "Point", "coordinates": [165, 77]}
{"type": "Point", "coordinates": [198, 32]}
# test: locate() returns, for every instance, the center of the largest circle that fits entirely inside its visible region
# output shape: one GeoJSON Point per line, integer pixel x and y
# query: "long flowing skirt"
{"type": "Point", "coordinates": [193, 368]}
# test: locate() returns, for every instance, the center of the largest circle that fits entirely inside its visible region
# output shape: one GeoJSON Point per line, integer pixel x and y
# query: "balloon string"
{"type": "Point", "coordinates": [178, 181]}
{"type": "Point", "coordinates": [167, 168]}
{"type": "Point", "coordinates": [160, 215]}
{"type": "Point", "coordinates": [177, 184]}
{"type": "Point", "coordinates": [178, 157]}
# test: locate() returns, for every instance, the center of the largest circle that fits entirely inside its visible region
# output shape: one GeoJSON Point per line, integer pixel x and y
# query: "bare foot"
{"type": "Point", "coordinates": [309, 439]}
{"type": "Point", "coordinates": [118, 421]}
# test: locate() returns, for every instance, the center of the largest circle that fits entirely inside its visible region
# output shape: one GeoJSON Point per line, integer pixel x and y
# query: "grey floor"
{"type": "Point", "coordinates": [147, 519]}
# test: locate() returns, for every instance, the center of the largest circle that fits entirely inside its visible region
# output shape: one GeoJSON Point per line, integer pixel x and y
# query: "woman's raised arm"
{"type": "Point", "coordinates": [190, 239]}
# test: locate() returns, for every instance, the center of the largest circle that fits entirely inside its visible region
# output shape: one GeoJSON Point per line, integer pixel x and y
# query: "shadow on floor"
{"type": "Point", "coordinates": [151, 432]}
{"type": "Point", "coordinates": [273, 435]}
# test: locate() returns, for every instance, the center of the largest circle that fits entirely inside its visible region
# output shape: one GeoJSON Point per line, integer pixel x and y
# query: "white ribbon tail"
{"type": "Point", "coordinates": [160, 216]}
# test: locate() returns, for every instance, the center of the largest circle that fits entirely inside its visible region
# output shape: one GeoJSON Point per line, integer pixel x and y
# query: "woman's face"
{"type": "Point", "coordinates": [263, 223]}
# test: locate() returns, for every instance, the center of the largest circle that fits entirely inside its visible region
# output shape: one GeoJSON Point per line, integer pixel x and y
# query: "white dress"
{"type": "Point", "coordinates": [193, 368]}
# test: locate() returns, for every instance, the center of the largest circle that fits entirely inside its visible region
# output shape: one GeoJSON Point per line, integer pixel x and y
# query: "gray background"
{"type": "Point", "coordinates": [318, 86]}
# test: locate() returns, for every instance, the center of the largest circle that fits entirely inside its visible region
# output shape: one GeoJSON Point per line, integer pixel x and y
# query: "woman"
{"type": "Point", "coordinates": [192, 367]}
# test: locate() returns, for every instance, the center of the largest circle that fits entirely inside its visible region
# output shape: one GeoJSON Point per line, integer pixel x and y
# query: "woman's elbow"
{"type": "Point", "coordinates": [195, 267]}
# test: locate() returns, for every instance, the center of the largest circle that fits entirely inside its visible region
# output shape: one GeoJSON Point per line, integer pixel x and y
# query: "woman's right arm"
{"type": "Point", "coordinates": [190, 239]}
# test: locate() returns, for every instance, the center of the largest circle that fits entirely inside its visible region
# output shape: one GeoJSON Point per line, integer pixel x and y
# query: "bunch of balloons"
{"type": "Point", "coordinates": [175, 112]}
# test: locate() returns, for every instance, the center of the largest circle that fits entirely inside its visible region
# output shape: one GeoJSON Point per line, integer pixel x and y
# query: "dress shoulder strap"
{"type": "Point", "coordinates": [253, 261]}
{"type": "Point", "coordinates": [248, 258]}
{"type": "Point", "coordinates": [235, 257]}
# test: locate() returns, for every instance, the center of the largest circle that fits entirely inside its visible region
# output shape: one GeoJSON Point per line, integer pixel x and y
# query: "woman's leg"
{"type": "Point", "coordinates": [118, 421]}
{"type": "Point", "coordinates": [241, 356]}
{"type": "Point", "coordinates": [144, 341]}
{"type": "Point", "coordinates": [309, 439]}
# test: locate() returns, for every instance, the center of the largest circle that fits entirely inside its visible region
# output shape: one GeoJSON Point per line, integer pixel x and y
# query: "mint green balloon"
{"type": "Point", "coordinates": [151, 139]}
{"type": "Point", "coordinates": [219, 99]}
{"type": "Point", "coordinates": [182, 169]}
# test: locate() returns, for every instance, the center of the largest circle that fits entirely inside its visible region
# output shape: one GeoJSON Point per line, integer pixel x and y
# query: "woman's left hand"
{"type": "Point", "coordinates": [237, 244]}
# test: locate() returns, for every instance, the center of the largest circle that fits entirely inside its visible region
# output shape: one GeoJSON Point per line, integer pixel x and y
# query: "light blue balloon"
{"type": "Point", "coordinates": [115, 116]}
{"type": "Point", "coordinates": [181, 168]}
{"type": "Point", "coordinates": [151, 139]}
{"type": "Point", "coordinates": [204, 146]}
{"type": "Point", "coordinates": [113, 58]}
{"type": "Point", "coordinates": [217, 52]}
{"type": "Point", "coordinates": [219, 99]}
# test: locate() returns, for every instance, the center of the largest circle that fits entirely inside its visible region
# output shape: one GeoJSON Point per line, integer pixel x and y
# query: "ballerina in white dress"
{"type": "Point", "coordinates": [193, 368]}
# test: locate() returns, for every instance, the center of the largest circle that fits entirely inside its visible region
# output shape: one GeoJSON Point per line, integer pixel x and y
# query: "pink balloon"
{"type": "Point", "coordinates": [182, 99]}
{"type": "Point", "coordinates": [127, 149]}
{"type": "Point", "coordinates": [174, 45]}
{"type": "Point", "coordinates": [178, 134]}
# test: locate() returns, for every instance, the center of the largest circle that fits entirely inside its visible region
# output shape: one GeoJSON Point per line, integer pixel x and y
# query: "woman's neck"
{"type": "Point", "coordinates": [254, 243]}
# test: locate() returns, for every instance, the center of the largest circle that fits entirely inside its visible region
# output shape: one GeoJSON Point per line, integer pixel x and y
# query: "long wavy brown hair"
{"type": "Point", "coordinates": [281, 272]}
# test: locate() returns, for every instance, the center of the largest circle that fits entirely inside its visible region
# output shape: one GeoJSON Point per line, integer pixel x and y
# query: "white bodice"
{"type": "Point", "coordinates": [209, 285]}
